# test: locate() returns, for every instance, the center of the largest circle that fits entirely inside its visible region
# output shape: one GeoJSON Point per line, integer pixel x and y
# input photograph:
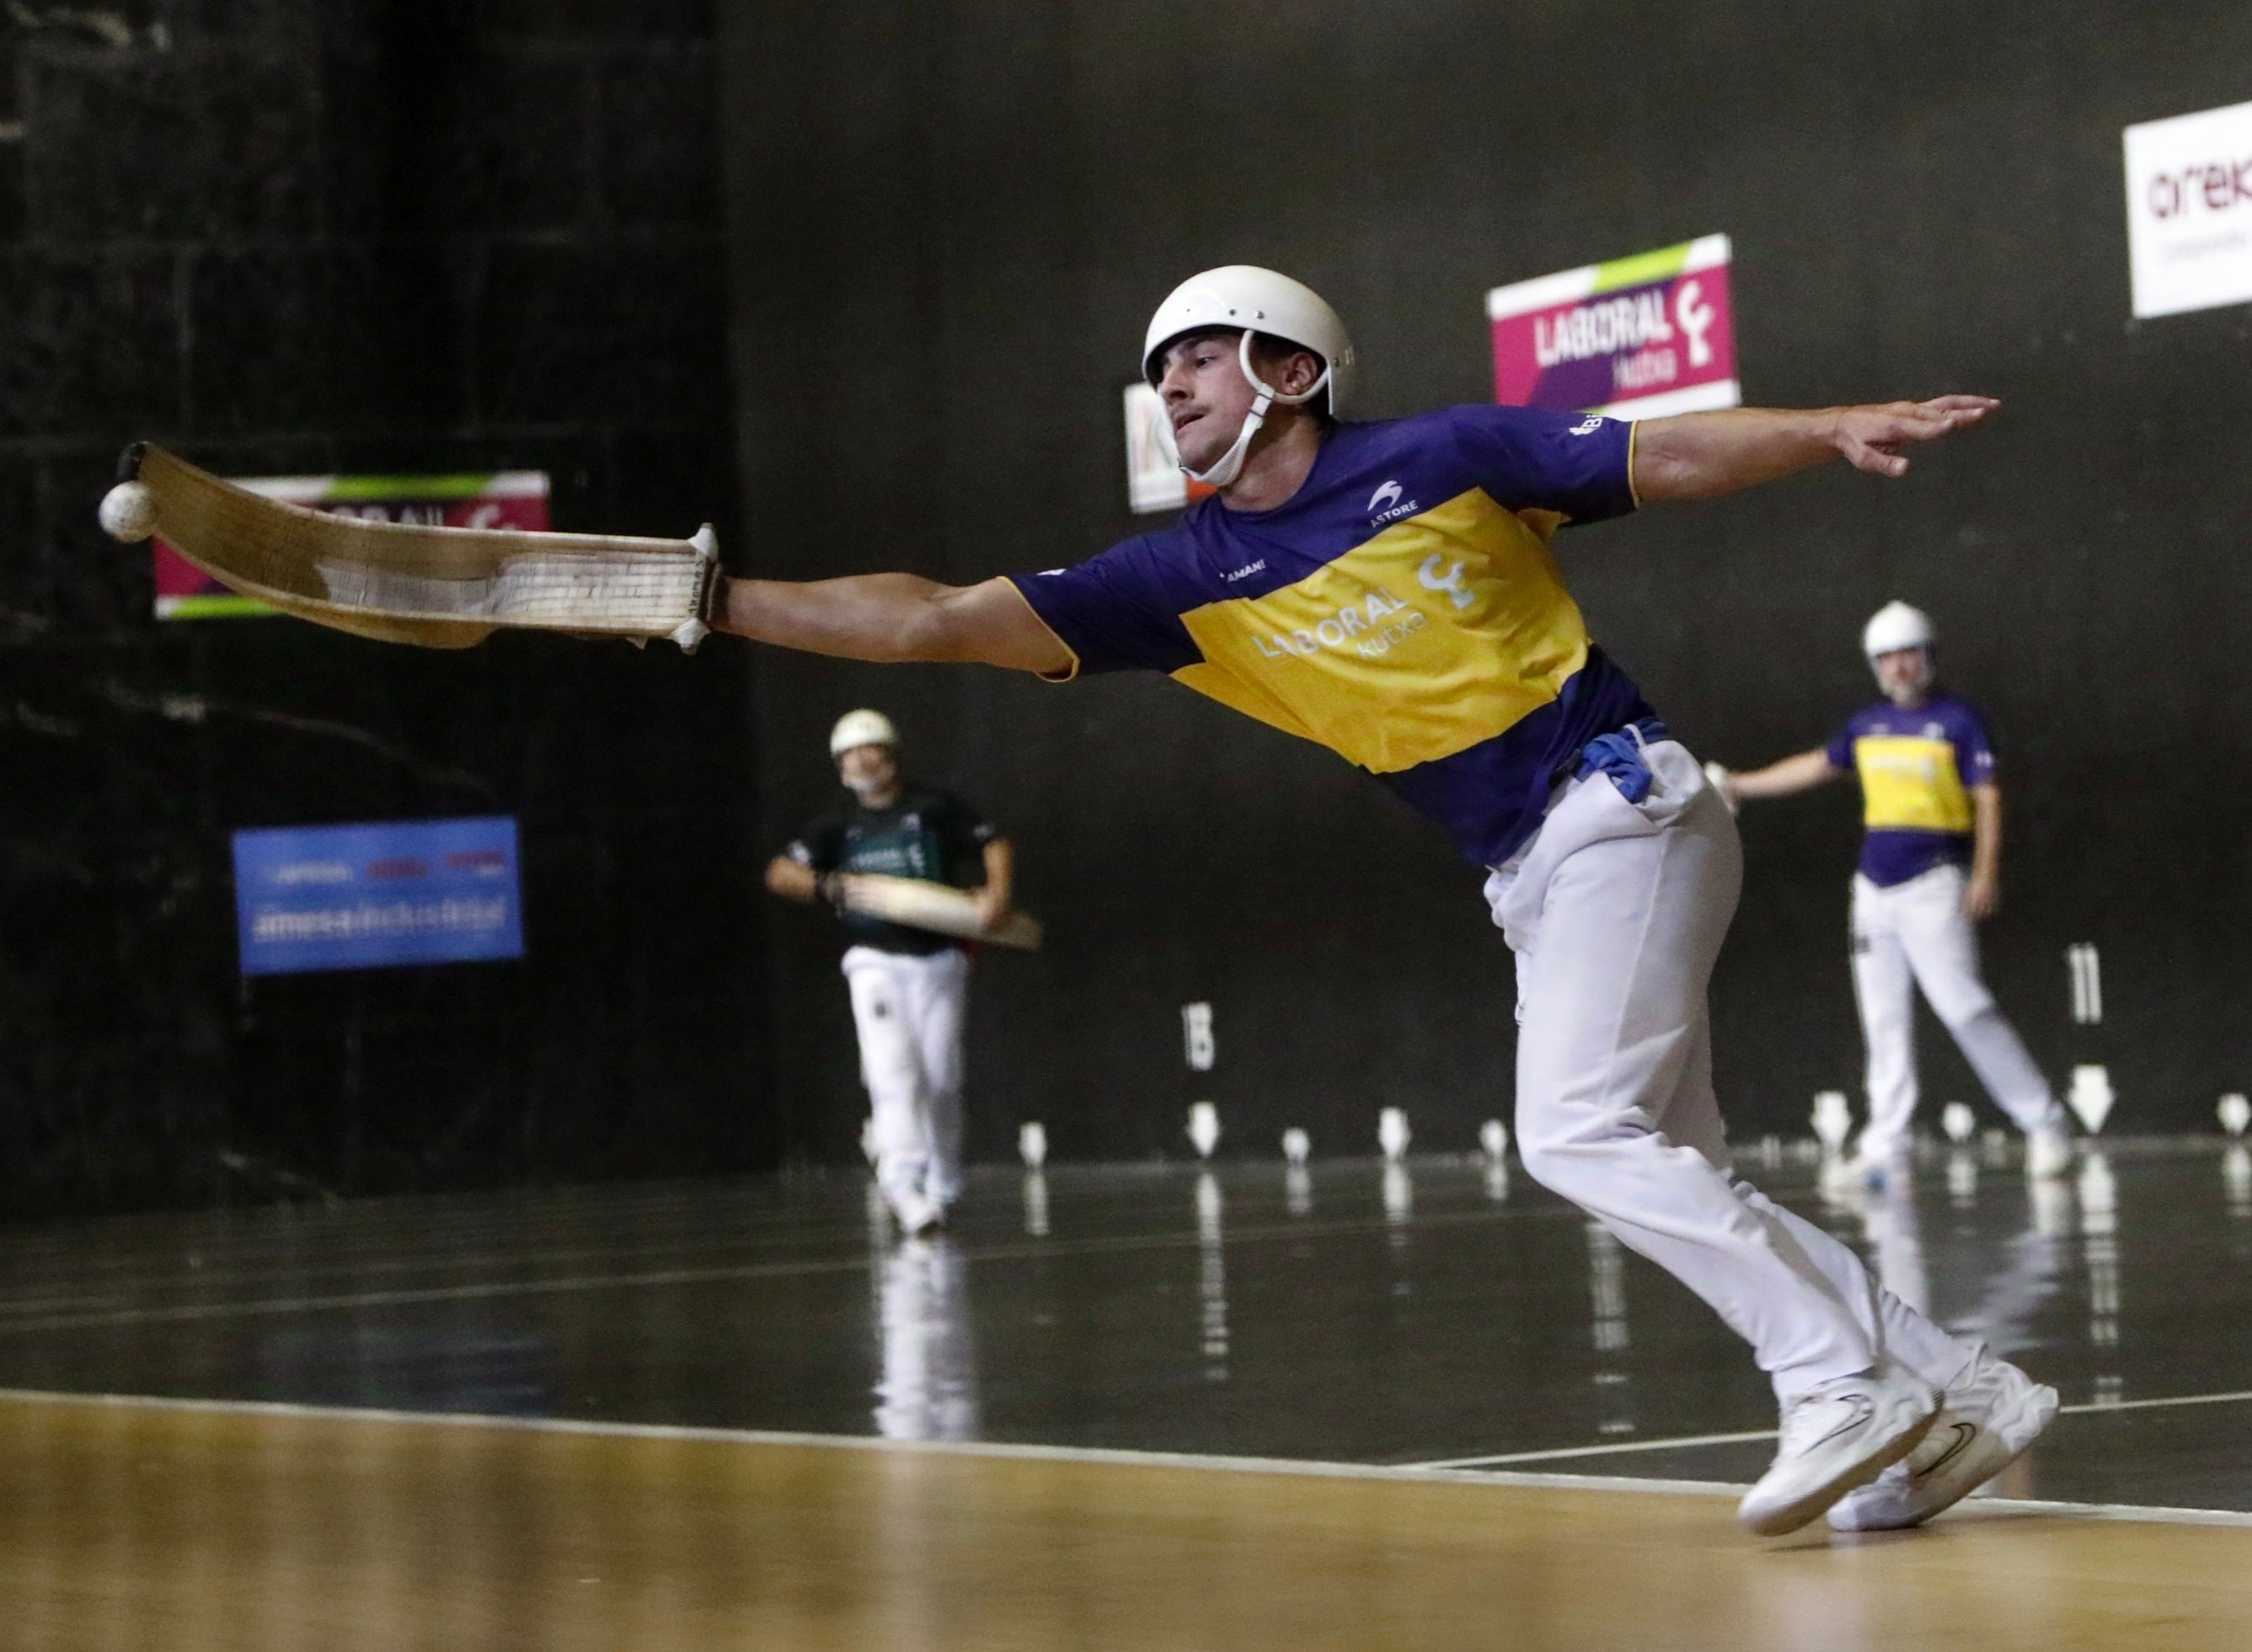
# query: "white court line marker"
{"type": "Point", "coordinates": [46, 1305]}
{"type": "Point", "coordinates": [1679, 1443]}
{"type": "Point", "coordinates": [2096, 1408]}
{"type": "Point", "coordinates": [1980, 1508]}
{"type": "Point", "coordinates": [1683, 1442]}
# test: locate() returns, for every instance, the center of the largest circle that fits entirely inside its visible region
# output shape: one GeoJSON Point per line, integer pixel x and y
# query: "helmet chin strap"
{"type": "Point", "coordinates": [1229, 465]}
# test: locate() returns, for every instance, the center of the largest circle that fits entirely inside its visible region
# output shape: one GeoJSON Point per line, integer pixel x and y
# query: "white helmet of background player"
{"type": "Point", "coordinates": [862, 728]}
{"type": "Point", "coordinates": [1261, 303]}
{"type": "Point", "coordinates": [1894, 627]}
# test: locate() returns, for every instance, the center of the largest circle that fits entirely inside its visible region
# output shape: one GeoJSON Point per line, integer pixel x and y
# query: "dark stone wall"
{"type": "Point", "coordinates": [361, 235]}
{"type": "Point", "coordinates": [952, 223]}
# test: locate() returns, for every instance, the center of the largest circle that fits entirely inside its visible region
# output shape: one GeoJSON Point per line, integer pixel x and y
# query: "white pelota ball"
{"type": "Point", "coordinates": [129, 512]}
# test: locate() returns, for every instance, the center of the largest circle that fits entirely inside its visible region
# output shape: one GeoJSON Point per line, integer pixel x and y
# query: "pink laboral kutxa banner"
{"type": "Point", "coordinates": [486, 499]}
{"type": "Point", "coordinates": [1638, 338]}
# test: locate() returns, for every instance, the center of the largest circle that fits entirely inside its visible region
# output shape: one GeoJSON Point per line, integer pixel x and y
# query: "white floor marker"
{"type": "Point", "coordinates": [2090, 1097]}
{"type": "Point", "coordinates": [1833, 1119]}
{"type": "Point", "coordinates": [1203, 1128]}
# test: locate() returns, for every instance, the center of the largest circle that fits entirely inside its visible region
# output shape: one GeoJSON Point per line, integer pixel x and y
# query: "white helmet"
{"type": "Point", "coordinates": [861, 728]}
{"type": "Point", "coordinates": [1896, 626]}
{"type": "Point", "coordinates": [1258, 301]}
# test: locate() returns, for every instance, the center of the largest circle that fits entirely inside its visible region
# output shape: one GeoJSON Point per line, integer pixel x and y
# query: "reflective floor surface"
{"type": "Point", "coordinates": [1352, 1312]}
{"type": "Point", "coordinates": [1445, 1321]}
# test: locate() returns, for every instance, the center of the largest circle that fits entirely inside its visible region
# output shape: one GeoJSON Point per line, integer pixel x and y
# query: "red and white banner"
{"type": "Point", "coordinates": [1637, 337]}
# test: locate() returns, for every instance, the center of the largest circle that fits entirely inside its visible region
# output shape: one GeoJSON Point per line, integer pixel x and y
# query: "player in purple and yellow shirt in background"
{"type": "Point", "coordinates": [1389, 589]}
{"type": "Point", "coordinates": [1930, 868]}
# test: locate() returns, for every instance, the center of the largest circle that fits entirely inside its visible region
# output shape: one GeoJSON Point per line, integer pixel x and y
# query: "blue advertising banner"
{"type": "Point", "coordinates": [362, 896]}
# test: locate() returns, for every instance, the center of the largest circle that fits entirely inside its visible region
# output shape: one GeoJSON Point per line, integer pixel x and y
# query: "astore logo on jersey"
{"type": "Point", "coordinates": [1388, 496]}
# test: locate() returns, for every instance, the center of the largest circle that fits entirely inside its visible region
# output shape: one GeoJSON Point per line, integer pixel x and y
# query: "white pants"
{"type": "Point", "coordinates": [1617, 912]}
{"type": "Point", "coordinates": [909, 1011]}
{"type": "Point", "coordinates": [1915, 934]}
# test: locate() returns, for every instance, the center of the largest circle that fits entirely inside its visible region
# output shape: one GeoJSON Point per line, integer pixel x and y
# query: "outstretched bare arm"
{"type": "Point", "coordinates": [1798, 773]}
{"type": "Point", "coordinates": [1704, 454]}
{"type": "Point", "coordinates": [892, 617]}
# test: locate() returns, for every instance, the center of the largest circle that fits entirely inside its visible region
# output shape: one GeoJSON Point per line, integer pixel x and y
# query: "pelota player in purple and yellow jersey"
{"type": "Point", "coordinates": [1930, 868]}
{"type": "Point", "coordinates": [1388, 589]}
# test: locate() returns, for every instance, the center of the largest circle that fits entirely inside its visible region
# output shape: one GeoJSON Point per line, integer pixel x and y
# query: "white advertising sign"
{"type": "Point", "coordinates": [2189, 210]}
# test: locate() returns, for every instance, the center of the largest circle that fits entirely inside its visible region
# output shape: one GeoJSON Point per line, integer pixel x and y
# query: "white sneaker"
{"type": "Point", "coordinates": [1838, 1436]}
{"type": "Point", "coordinates": [2048, 1153]}
{"type": "Point", "coordinates": [1992, 1414]}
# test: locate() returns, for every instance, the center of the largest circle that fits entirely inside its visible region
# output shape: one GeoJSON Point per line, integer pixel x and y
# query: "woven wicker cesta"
{"type": "Point", "coordinates": [433, 587]}
{"type": "Point", "coordinates": [920, 904]}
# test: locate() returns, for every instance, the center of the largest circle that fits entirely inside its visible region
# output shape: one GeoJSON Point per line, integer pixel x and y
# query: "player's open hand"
{"type": "Point", "coordinates": [1871, 437]}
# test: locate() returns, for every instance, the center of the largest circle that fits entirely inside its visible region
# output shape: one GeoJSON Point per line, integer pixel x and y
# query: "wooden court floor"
{"type": "Point", "coordinates": [133, 1524]}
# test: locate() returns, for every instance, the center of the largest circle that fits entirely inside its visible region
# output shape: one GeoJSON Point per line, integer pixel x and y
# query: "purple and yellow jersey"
{"type": "Point", "coordinates": [1402, 609]}
{"type": "Point", "coordinates": [1916, 770]}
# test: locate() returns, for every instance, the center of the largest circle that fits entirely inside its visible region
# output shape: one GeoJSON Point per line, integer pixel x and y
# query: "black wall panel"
{"type": "Point", "coordinates": [385, 235]}
{"type": "Point", "coordinates": [950, 222]}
